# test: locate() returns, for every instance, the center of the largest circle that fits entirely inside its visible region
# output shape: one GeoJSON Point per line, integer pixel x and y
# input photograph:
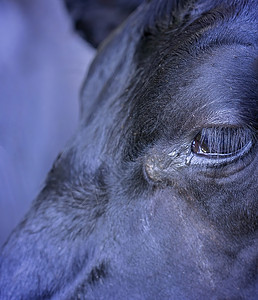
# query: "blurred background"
{"type": "Point", "coordinates": [42, 65]}
{"type": "Point", "coordinates": [44, 58]}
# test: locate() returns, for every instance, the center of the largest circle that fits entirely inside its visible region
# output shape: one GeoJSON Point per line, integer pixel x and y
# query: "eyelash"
{"type": "Point", "coordinates": [222, 142]}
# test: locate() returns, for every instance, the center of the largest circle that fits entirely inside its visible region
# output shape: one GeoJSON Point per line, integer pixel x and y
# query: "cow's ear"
{"type": "Point", "coordinates": [95, 19]}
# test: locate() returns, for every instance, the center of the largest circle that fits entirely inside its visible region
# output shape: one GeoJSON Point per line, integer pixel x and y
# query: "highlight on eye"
{"type": "Point", "coordinates": [221, 142]}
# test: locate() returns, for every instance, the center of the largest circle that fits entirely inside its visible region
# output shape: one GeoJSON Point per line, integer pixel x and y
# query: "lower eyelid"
{"type": "Point", "coordinates": [244, 149]}
{"type": "Point", "coordinates": [215, 161]}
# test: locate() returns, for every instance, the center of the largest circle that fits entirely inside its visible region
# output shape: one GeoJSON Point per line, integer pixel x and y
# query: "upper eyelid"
{"type": "Point", "coordinates": [230, 142]}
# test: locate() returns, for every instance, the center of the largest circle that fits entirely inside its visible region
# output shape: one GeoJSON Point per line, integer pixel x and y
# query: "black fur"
{"type": "Point", "coordinates": [130, 210]}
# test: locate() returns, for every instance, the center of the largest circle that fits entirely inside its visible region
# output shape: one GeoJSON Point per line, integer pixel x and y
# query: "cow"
{"type": "Point", "coordinates": [155, 197]}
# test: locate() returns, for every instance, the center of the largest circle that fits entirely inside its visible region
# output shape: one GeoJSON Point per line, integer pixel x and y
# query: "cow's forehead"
{"type": "Point", "coordinates": [211, 86]}
{"type": "Point", "coordinates": [153, 34]}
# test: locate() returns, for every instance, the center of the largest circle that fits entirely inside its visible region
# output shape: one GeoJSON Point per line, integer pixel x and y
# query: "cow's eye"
{"type": "Point", "coordinates": [221, 142]}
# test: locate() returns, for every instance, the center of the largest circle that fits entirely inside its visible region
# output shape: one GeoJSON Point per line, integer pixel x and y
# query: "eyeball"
{"type": "Point", "coordinates": [222, 142]}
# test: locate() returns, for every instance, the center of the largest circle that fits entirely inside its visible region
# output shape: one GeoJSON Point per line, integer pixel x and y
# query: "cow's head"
{"type": "Point", "coordinates": [156, 196]}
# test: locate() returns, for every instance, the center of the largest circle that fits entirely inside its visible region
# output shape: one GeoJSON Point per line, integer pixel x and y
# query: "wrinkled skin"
{"type": "Point", "coordinates": [130, 210]}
